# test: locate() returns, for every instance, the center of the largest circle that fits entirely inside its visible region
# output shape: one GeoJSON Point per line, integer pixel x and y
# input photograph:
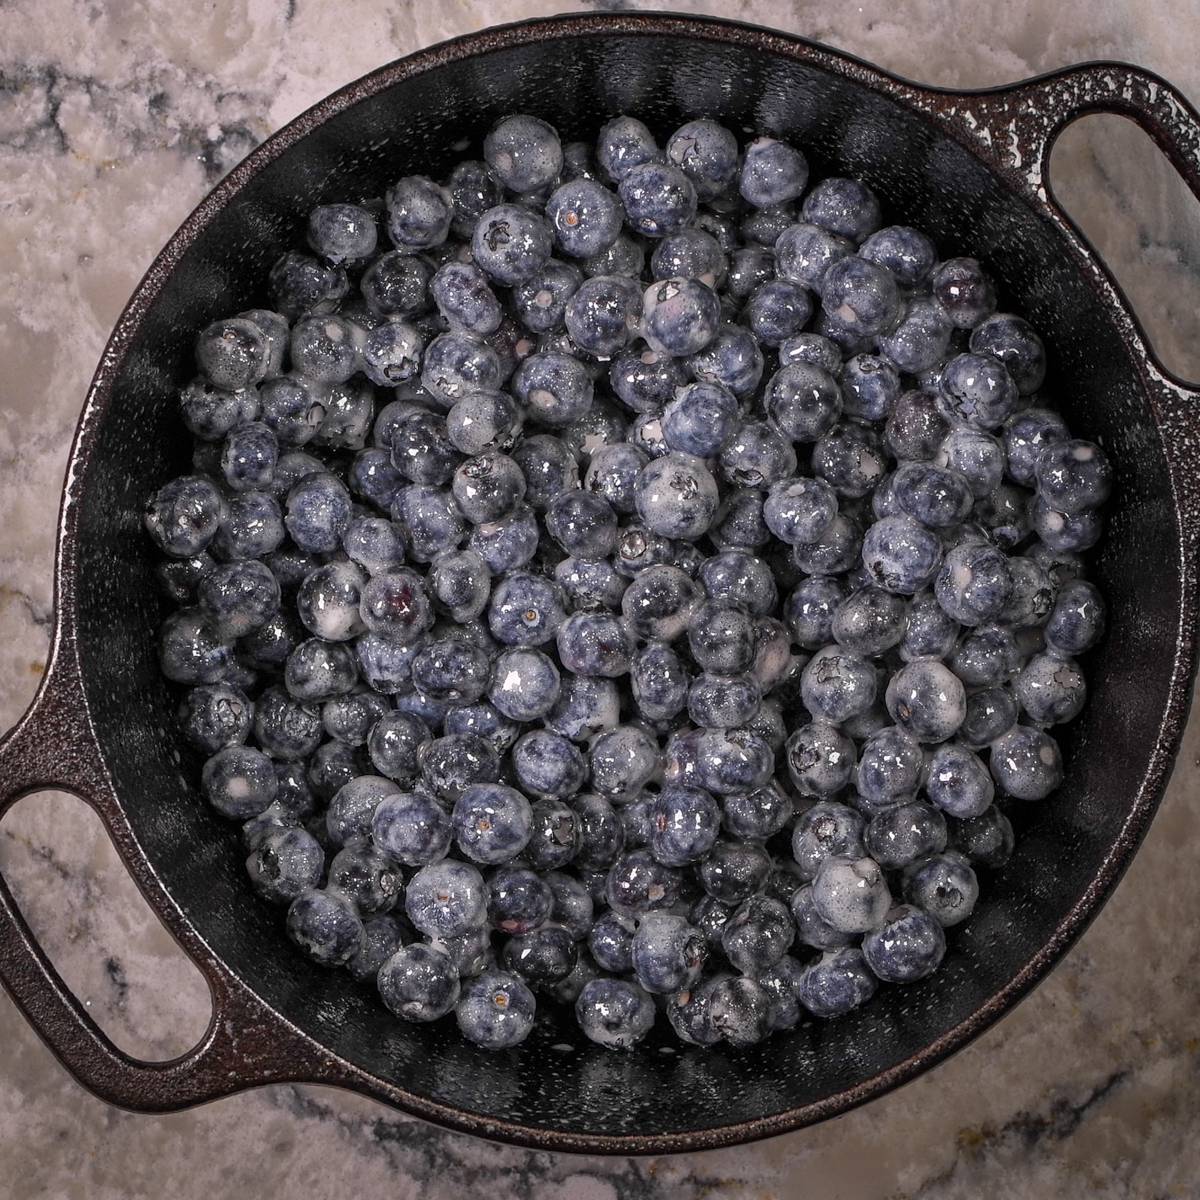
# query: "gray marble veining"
{"type": "Point", "coordinates": [114, 121]}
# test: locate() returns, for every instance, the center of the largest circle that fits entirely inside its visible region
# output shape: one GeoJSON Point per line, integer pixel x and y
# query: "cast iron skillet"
{"type": "Point", "coordinates": [971, 168]}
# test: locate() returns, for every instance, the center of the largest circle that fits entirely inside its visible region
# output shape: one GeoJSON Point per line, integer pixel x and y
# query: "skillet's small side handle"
{"type": "Point", "coordinates": [246, 1043]}
{"type": "Point", "coordinates": [1015, 127]}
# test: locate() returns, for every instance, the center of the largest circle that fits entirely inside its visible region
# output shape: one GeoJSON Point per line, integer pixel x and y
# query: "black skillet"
{"type": "Point", "coordinates": [970, 168]}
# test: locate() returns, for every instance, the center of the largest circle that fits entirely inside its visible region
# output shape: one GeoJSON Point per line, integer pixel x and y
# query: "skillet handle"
{"type": "Point", "coordinates": [246, 1043]}
{"type": "Point", "coordinates": [1015, 127]}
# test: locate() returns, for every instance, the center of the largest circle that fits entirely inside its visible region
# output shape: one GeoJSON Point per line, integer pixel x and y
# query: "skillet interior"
{"type": "Point", "coordinates": [424, 125]}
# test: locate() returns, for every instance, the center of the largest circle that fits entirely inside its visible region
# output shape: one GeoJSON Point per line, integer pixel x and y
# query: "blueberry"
{"type": "Point", "coordinates": [861, 297]}
{"type": "Point", "coordinates": [395, 284]}
{"type": "Point", "coordinates": [411, 828]}
{"type": "Point", "coordinates": [732, 761]}
{"type": "Point", "coordinates": [507, 544]}
{"type": "Point", "coordinates": [843, 206]}
{"type": "Point", "coordinates": [189, 652]}
{"type": "Point", "coordinates": [890, 767]}
{"type": "Point", "coordinates": [445, 899]}
{"type": "Point", "coordinates": [915, 429]}
{"type": "Point", "coordinates": [541, 300]}
{"type": "Point", "coordinates": [317, 670]}
{"type": "Point", "coordinates": [526, 610]}
{"type": "Point", "coordinates": [935, 496]}
{"type": "Point", "coordinates": [659, 199]}
{"type": "Point", "coordinates": [523, 152]}
{"type": "Point", "coordinates": [604, 314]}
{"type": "Point", "coordinates": [585, 216]}
{"type": "Point", "coordinates": [456, 364]}
{"type": "Point", "coordinates": [811, 348]}
{"type": "Point", "coordinates": [836, 983]}
{"type": "Point", "coordinates": [298, 284]}
{"type": "Point", "coordinates": [325, 926]}
{"type": "Point", "coordinates": [451, 763]}
{"type": "Point", "coordinates": [419, 983]}
{"type": "Point", "coordinates": [758, 935]}
{"type": "Point", "coordinates": [902, 833]}
{"type": "Point", "coordinates": [611, 942]}
{"type": "Point", "coordinates": [837, 685]}
{"type": "Point", "coordinates": [778, 309]}
{"type": "Point", "coordinates": [495, 1010]}
{"type": "Point", "coordinates": [584, 524]}
{"type": "Point", "coordinates": [384, 665]}
{"type": "Point", "coordinates": [393, 743]}
{"type": "Point", "coordinates": [964, 291]}
{"type": "Point", "coordinates": [637, 883]}
{"type": "Point", "coordinates": [325, 348]}
{"type": "Point", "coordinates": [614, 1013]}
{"type": "Point", "coordinates": [974, 583]}
{"type": "Point", "coordinates": [987, 655]}
{"type": "Point", "coordinates": [804, 400]}
{"type": "Point", "coordinates": [367, 876]}
{"type": "Point", "coordinates": [1073, 476]}
{"type": "Point", "coordinates": [492, 822]}
{"type": "Point", "coordinates": [553, 388]}
{"type": "Point", "coordinates": [548, 765]}
{"type": "Point", "coordinates": [216, 715]}
{"type": "Point", "coordinates": [318, 512]}
{"type": "Point", "coordinates": [1051, 689]}
{"type": "Point", "coordinates": [232, 353]}
{"type": "Point", "coordinates": [811, 928]}
{"type": "Point", "coordinates": [927, 700]}
{"type": "Point", "coordinates": [239, 782]}
{"type": "Point", "coordinates": [907, 253]}
{"type": "Point", "coordinates": [373, 477]}
{"type": "Point", "coordinates": [907, 947]}
{"type": "Point", "coordinates": [184, 515]}
{"type": "Point", "coordinates": [870, 621]}
{"type": "Point", "coordinates": [870, 386]}
{"type": "Point", "coordinates": [851, 894]}
{"type": "Point", "coordinates": [835, 551]}
{"type": "Point", "coordinates": [749, 268]}
{"type": "Point", "coordinates": [690, 254]}
{"type": "Point", "coordinates": [757, 815]}
{"type": "Point", "coordinates": [624, 257]}
{"type": "Point", "coordinates": [329, 599]}
{"type": "Point", "coordinates": [602, 834]}
{"type": "Point", "coordinates": [645, 380]}
{"type": "Point", "coordinates": [680, 316]}
{"type": "Point", "coordinates": [623, 760]}
{"type": "Point", "coordinates": [1026, 434]}
{"type": "Point", "coordinates": [237, 598]}
{"type": "Point", "coordinates": [285, 863]}
{"type": "Point", "coordinates": [623, 144]}
{"type": "Point", "coordinates": [1064, 531]}
{"type": "Point", "coordinates": [612, 474]}
{"type": "Point", "coordinates": [463, 296]}
{"type": "Point", "coordinates": [595, 643]}
{"type": "Point", "coordinates": [827, 829]}
{"type": "Point", "coordinates": [733, 359]}
{"type": "Point", "coordinates": [764, 225]}
{"type": "Point", "coordinates": [511, 243]}
{"type": "Point", "coordinates": [676, 496]}
{"type": "Point", "coordinates": [419, 212]}
{"type": "Point", "coordinates": [684, 823]}
{"type": "Point", "coordinates": [287, 729]}
{"type": "Point", "coordinates": [850, 458]}
{"type": "Point", "coordinates": [943, 885]}
{"type": "Point", "coordinates": [707, 153]}
{"type": "Point", "coordinates": [740, 1010]}
{"type": "Point", "coordinates": [772, 172]}
{"type": "Point", "coordinates": [1077, 620]}
{"type": "Point", "coordinates": [978, 390]}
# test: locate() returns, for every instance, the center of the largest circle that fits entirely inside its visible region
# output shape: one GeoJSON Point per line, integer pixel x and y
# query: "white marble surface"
{"type": "Point", "coordinates": [114, 120]}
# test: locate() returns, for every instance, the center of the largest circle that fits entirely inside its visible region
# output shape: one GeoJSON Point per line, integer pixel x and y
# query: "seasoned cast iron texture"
{"type": "Point", "coordinates": [970, 169]}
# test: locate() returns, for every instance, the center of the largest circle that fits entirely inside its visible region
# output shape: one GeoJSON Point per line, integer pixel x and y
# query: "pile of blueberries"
{"type": "Point", "coordinates": [645, 584]}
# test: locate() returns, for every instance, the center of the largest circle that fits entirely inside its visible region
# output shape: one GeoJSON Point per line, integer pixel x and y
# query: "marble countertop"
{"type": "Point", "coordinates": [115, 119]}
